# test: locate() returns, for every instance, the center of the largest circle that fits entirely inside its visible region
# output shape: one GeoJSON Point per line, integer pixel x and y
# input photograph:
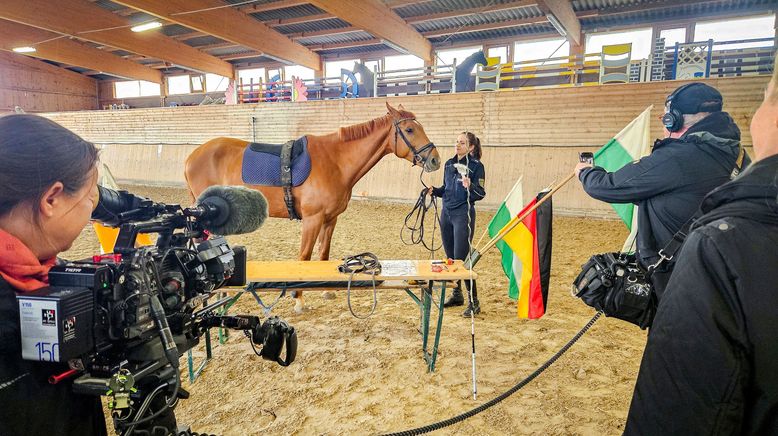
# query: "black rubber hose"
{"type": "Point", "coordinates": [459, 418]}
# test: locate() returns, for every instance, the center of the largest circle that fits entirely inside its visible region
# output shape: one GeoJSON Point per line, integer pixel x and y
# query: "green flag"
{"type": "Point", "coordinates": [511, 265]}
{"type": "Point", "coordinates": [629, 145]}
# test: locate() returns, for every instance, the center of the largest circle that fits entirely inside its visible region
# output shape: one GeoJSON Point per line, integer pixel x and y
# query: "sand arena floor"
{"type": "Point", "coordinates": [361, 377]}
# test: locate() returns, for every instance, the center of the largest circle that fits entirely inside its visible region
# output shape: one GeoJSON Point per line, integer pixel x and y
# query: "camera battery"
{"type": "Point", "coordinates": [56, 323]}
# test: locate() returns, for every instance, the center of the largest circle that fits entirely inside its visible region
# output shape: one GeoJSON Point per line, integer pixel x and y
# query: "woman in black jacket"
{"type": "Point", "coordinates": [48, 189]}
{"type": "Point", "coordinates": [463, 185]}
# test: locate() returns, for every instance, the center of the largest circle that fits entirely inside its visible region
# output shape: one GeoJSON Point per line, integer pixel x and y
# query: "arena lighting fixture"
{"type": "Point", "coordinates": [24, 49]}
{"type": "Point", "coordinates": [146, 26]}
{"type": "Point", "coordinates": [557, 25]}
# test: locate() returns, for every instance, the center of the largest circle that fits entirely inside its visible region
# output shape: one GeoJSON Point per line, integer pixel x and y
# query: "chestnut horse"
{"type": "Point", "coordinates": [338, 161]}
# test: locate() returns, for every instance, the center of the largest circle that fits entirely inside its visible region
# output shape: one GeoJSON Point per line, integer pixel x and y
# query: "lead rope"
{"type": "Point", "coordinates": [362, 263]}
{"type": "Point", "coordinates": [418, 215]}
{"type": "Point", "coordinates": [470, 413]}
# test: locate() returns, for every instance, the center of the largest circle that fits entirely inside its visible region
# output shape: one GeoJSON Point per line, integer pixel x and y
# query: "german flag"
{"type": "Point", "coordinates": [530, 242]}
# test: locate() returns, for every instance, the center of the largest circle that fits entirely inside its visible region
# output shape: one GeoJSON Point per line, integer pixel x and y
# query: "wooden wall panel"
{"type": "Point", "coordinates": [36, 86]}
{"type": "Point", "coordinates": [534, 133]}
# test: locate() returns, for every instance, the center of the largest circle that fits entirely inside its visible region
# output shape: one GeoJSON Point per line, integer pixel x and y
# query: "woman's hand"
{"type": "Point", "coordinates": [429, 190]}
{"type": "Point", "coordinates": [466, 182]}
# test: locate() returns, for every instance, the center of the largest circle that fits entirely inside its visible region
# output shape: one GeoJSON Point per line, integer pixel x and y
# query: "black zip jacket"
{"type": "Point", "coordinates": [453, 193]}
{"type": "Point", "coordinates": [29, 405]}
{"type": "Point", "coordinates": [669, 184]}
{"type": "Point", "coordinates": [711, 363]}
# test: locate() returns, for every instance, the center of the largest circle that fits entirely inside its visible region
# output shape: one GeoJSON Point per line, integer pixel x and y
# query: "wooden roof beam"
{"type": "Point", "coordinates": [66, 51]}
{"type": "Point", "coordinates": [375, 17]}
{"type": "Point", "coordinates": [281, 4]}
{"type": "Point", "coordinates": [400, 3]}
{"type": "Point", "coordinates": [298, 20]}
{"type": "Point", "coordinates": [230, 25]}
{"type": "Point", "coordinates": [188, 36]}
{"type": "Point", "coordinates": [338, 31]}
{"type": "Point", "coordinates": [90, 22]}
{"type": "Point", "coordinates": [561, 14]}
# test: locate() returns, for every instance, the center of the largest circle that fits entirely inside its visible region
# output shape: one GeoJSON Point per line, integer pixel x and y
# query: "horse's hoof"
{"type": "Point", "coordinates": [299, 309]}
{"type": "Point", "coordinates": [328, 295]}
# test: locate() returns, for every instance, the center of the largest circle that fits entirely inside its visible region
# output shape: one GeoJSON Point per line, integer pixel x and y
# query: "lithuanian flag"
{"type": "Point", "coordinates": [526, 252]}
{"type": "Point", "coordinates": [629, 145]}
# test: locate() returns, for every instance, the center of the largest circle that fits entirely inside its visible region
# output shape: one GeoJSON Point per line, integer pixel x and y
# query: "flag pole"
{"type": "Point", "coordinates": [517, 184]}
{"type": "Point", "coordinates": [475, 255]}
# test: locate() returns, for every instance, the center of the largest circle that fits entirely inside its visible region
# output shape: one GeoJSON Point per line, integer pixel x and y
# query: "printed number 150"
{"type": "Point", "coordinates": [47, 351]}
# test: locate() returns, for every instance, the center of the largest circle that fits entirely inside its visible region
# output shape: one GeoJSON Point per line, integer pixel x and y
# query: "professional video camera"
{"type": "Point", "coordinates": [124, 319]}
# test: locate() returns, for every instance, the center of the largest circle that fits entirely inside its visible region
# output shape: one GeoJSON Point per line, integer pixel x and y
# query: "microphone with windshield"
{"type": "Point", "coordinates": [222, 210]}
{"type": "Point", "coordinates": [230, 210]}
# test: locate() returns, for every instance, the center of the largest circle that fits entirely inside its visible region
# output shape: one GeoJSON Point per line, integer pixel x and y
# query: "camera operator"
{"type": "Point", "coordinates": [710, 363]}
{"type": "Point", "coordinates": [48, 177]}
{"type": "Point", "coordinates": [698, 154]}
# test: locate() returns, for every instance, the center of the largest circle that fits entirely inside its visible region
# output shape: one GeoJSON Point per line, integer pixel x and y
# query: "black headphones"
{"type": "Point", "coordinates": [673, 118]}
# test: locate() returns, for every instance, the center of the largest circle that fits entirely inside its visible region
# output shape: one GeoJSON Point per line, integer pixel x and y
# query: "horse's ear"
{"type": "Point", "coordinates": [392, 110]}
{"type": "Point", "coordinates": [400, 107]}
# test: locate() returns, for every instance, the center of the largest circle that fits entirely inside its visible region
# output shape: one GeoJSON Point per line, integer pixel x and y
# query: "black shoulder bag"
{"type": "Point", "coordinates": [616, 283]}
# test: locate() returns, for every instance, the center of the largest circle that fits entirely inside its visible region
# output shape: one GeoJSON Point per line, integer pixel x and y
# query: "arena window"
{"type": "Point", "coordinates": [332, 68]}
{"type": "Point", "coordinates": [178, 85]}
{"type": "Point", "coordinates": [215, 83]}
{"type": "Point", "coordinates": [540, 49]}
{"type": "Point", "coordinates": [446, 57]}
{"type": "Point", "coordinates": [736, 30]}
{"type": "Point", "coordinates": [136, 88]}
{"type": "Point", "coordinates": [299, 72]}
{"type": "Point", "coordinates": [640, 39]}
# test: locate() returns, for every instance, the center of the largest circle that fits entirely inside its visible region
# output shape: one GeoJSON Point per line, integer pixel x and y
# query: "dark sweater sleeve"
{"type": "Point", "coordinates": [438, 192]}
{"type": "Point", "coordinates": [695, 366]}
{"type": "Point", "coordinates": [10, 345]}
{"type": "Point", "coordinates": [636, 181]}
{"type": "Point", "coordinates": [477, 191]}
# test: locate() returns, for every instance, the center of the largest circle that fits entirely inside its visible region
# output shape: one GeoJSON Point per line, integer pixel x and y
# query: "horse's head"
{"type": "Point", "coordinates": [410, 142]}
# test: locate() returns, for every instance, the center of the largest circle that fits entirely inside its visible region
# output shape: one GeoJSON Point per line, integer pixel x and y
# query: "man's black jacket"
{"type": "Point", "coordinates": [711, 363]}
{"type": "Point", "coordinates": [669, 184]}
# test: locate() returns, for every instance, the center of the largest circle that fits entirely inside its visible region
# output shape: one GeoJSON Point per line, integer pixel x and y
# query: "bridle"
{"type": "Point", "coordinates": [418, 159]}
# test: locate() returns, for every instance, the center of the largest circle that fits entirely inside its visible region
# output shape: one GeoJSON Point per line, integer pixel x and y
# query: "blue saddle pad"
{"type": "Point", "coordinates": [261, 168]}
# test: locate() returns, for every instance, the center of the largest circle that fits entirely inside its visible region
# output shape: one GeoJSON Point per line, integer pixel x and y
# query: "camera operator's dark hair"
{"type": "Point", "coordinates": [475, 142]}
{"type": "Point", "coordinates": [35, 153]}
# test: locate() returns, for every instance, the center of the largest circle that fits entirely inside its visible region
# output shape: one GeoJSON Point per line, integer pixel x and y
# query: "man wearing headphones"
{"type": "Point", "coordinates": [698, 154]}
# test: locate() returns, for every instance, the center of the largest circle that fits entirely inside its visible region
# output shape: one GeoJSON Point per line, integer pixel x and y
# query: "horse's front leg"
{"type": "Point", "coordinates": [325, 239]}
{"type": "Point", "coordinates": [311, 228]}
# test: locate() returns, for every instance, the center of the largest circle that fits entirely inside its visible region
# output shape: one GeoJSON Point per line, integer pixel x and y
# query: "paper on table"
{"type": "Point", "coordinates": [398, 268]}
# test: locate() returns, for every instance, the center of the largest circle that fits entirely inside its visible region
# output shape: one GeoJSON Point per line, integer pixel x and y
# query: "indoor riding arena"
{"type": "Point", "coordinates": [538, 82]}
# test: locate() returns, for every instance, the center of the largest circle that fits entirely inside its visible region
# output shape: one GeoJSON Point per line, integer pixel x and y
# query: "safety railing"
{"type": "Point", "coordinates": [717, 58]}
{"type": "Point", "coordinates": [416, 81]}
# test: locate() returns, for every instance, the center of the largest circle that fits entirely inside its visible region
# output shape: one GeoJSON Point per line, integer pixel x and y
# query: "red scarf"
{"type": "Point", "coordinates": [20, 267]}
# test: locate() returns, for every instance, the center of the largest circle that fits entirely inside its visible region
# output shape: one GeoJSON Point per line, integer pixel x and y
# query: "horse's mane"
{"type": "Point", "coordinates": [361, 130]}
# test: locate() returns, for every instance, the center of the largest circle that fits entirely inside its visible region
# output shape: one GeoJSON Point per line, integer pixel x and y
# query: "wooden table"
{"type": "Point", "coordinates": [408, 275]}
